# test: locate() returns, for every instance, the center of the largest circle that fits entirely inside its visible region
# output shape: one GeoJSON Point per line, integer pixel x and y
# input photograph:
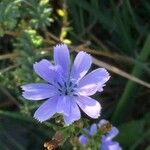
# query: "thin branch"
{"type": "Point", "coordinates": [8, 56]}
{"type": "Point", "coordinates": [119, 72]}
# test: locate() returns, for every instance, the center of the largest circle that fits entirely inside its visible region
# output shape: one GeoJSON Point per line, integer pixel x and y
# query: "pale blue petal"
{"type": "Point", "coordinates": [93, 129]}
{"type": "Point", "coordinates": [101, 88]}
{"type": "Point", "coordinates": [83, 139]}
{"type": "Point", "coordinates": [74, 113]}
{"type": "Point", "coordinates": [102, 122]}
{"type": "Point", "coordinates": [114, 146]}
{"type": "Point", "coordinates": [93, 81]}
{"type": "Point", "coordinates": [38, 91]}
{"type": "Point", "coordinates": [107, 143]}
{"type": "Point", "coordinates": [44, 69]}
{"type": "Point", "coordinates": [62, 57]}
{"type": "Point", "coordinates": [90, 106]}
{"type": "Point", "coordinates": [46, 110]}
{"type": "Point", "coordinates": [81, 65]}
{"type": "Point", "coordinates": [110, 146]}
{"type": "Point", "coordinates": [112, 133]}
{"type": "Point", "coordinates": [63, 105]}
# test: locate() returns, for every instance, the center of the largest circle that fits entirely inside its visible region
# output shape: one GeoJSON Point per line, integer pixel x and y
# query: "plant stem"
{"type": "Point", "coordinates": [127, 99]}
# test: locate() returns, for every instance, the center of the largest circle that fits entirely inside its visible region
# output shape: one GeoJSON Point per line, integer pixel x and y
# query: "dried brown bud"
{"type": "Point", "coordinates": [106, 127]}
{"type": "Point", "coordinates": [55, 142]}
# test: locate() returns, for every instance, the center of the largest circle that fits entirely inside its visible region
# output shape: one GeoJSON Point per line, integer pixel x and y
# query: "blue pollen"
{"type": "Point", "coordinates": [67, 88]}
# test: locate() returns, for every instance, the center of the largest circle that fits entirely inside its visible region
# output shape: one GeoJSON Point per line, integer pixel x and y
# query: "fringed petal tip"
{"type": "Point", "coordinates": [37, 119]}
{"type": "Point", "coordinates": [96, 116]}
{"type": "Point", "coordinates": [107, 75]}
{"type": "Point", "coordinates": [72, 118]}
{"type": "Point", "coordinates": [61, 45]}
{"type": "Point", "coordinates": [22, 87]}
{"type": "Point", "coordinates": [90, 106]}
{"type": "Point", "coordinates": [62, 58]}
{"type": "Point", "coordinates": [43, 61]}
{"type": "Point", "coordinates": [25, 95]}
{"type": "Point", "coordinates": [85, 53]}
{"type": "Point", "coordinates": [26, 87]}
{"type": "Point", "coordinates": [69, 121]}
{"type": "Point", "coordinates": [105, 72]}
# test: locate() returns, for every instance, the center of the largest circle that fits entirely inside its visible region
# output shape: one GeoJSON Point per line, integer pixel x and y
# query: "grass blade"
{"type": "Point", "coordinates": [127, 99]}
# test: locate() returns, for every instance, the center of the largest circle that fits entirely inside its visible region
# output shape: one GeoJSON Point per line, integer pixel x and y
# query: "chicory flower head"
{"type": "Point", "coordinates": [106, 142]}
{"type": "Point", "coordinates": [67, 87]}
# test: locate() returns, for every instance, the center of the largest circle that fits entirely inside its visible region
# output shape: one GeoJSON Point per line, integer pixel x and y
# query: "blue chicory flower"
{"type": "Point", "coordinates": [83, 139]}
{"type": "Point", "coordinates": [106, 142]}
{"type": "Point", "coordinates": [67, 87]}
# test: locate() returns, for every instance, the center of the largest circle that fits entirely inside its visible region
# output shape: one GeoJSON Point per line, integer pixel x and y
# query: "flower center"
{"type": "Point", "coordinates": [67, 88]}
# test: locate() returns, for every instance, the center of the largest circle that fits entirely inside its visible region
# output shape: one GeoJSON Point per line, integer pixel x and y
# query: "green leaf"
{"type": "Point", "coordinates": [130, 132]}
{"type": "Point", "coordinates": [148, 148]}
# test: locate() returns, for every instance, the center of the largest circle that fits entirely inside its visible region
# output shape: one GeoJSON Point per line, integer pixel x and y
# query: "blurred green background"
{"type": "Point", "coordinates": [115, 32]}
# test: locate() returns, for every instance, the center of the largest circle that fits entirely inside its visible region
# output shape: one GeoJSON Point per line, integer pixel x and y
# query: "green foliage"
{"type": "Point", "coordinates": [115, 30]}
{"type": "Point", "coordinates": [134, 133]}
{"type": "Point", "coordinates": [131, 87]}
{"type": "Point", "coordinates": [130, 132]}
{"type": "Point", "coordinates": [21, 131]}
{"type": "Point", "coordinates": [35, 12]}
{"type": "Point", "coordinates": [9, 10]}
{"type": "Point", "coordinates": [122, 23]}
{"type": "Point", "coordinates": [38, 11]}
{"type": "Point", "coordinates": [148, 148]}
